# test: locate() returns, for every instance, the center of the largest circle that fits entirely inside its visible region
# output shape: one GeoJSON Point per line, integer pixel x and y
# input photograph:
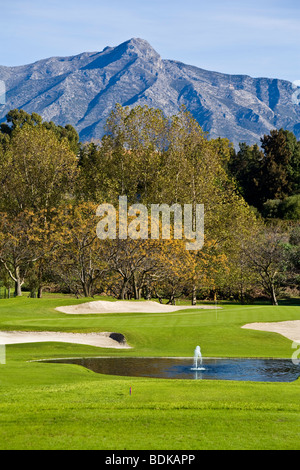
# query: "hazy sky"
{"type": "Point", "coordinates": [254, 37]}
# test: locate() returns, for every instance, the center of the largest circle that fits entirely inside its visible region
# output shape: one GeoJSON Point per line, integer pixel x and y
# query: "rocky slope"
{"type": "Point", "coordinates": [81, 90]}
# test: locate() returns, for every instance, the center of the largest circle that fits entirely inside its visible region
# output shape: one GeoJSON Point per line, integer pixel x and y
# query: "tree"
{"type": "Point", "coordinates": [92, 169]}
{"type": "Point", "coordinates": [81, 261]}
{"type": "Point", "coordinates": [294, 240]}
{"type": "Point", "coordinates": [26, 239]}
{"type": "Point", "coordinates": [288, 208]}
{"type": "Point", "coordinates": [293, 253]}
{"type": "Point", "coordinates": [6, 280]}
{"type": "Point", "coordinates": [17, 118]}
{"type": "Point", "coordinates": [269, 173]}
{"type": "Point", "coordinates": [128, 157]}
{"type": "Point", "coordinates": [246, 167]}
{"type": "Point", "coordinates": [132, 261]}
{"type": "Point", "coordinates": [175, 276]}
{"type": "Point", "coordinates": [267, 257]}
{"type": "Point", "coordinates": [281, 165]}
{"type": "Point", "coordinates": [37, 171]}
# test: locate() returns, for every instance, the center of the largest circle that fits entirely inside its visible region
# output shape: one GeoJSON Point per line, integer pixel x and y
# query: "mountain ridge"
{"type": "Point", "coordinates": [81, 90]}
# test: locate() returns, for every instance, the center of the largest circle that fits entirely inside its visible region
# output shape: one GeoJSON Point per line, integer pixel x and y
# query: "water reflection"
{"type": "Point", "coordinates": [258, 370]}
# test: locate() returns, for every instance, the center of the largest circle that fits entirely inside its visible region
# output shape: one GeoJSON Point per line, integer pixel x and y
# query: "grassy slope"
{"type": "Point", "coordinates": [54, 406]}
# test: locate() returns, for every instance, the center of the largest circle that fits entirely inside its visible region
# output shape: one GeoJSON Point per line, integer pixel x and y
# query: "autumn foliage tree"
{"type": "Point", "coordinates": [80, 261]}
{"type": "Point", "coordinates": [51, 191]}
{"type": "Point", "coordinates": [25, 240]}
{"type": "Point", "coordinates": [36, 170]}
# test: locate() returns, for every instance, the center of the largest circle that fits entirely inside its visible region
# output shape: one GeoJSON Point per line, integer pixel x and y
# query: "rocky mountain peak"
{"type": "Point", "coordinates": [81, 90]}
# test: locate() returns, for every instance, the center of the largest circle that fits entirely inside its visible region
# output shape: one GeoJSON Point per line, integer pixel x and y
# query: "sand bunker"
{"type": "Point", "coordinates": [289, 329]}
{"type": "Point", "coordinates": [123, 306]}
{"type": "Point", "coordinates": [102, 340]}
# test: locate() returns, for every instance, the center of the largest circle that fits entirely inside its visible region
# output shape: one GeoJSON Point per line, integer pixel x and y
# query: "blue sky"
{"type": "Point", "coordinates": [257, 38]}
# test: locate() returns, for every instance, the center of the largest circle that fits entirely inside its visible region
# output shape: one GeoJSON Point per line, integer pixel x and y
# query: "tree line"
{"type": "Point", "coordinates": [51, 186]}
{"type": "Point", "coordinates": [269, 177]}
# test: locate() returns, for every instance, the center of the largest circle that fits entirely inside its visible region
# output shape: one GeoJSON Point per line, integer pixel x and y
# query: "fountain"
{"type": "Point", "coordinates": [197, 355]}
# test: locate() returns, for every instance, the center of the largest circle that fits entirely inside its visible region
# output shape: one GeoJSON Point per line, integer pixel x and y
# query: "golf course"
{"type": "Point", "coordinates": [55, 406]}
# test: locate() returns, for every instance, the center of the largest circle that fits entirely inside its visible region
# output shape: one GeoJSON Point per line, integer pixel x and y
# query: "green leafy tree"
{"type": "Point", "coordinates": [287, 209]}
{"type": "Point", "coordinates": [17, 118]}
{"type": "Point", "coordinates": [37, 170]}
{"type": "Point", "coordinates": [246, 167]}
{"type": "Point", "coordinates": [269, 173]}
{"type": "Point", "coordinates": [281, 165]}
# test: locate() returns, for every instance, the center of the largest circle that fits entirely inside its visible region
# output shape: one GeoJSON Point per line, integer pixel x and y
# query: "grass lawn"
{"type": "Point", "coordinates": [58, 406]}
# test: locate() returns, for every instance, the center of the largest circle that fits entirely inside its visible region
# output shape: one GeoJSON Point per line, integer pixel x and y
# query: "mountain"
{"type": "Point", "coordinates": [81, 90]}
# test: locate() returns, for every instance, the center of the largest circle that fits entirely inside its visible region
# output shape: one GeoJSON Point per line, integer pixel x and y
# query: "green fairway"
{"type": "Point", "coordinates": [57, 406]}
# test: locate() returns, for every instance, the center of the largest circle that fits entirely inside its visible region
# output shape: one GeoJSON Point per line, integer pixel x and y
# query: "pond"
{"type": "Point", "coordinates": [249, 369]}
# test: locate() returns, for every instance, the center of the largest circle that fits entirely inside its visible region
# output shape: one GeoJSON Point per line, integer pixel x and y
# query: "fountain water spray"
{"type": "Point", "coordinates": [197, 355]}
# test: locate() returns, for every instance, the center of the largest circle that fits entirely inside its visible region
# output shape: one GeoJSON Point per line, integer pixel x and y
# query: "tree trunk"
{"type": "Point", "coordinates": [273, 295]}
{"type": "Point", "coordinates": [194, 298]}
{"type": "Point", "coordinates": [242, 296]}
{"type": "Point", "coordinates": [18, 288]}
{"type": "Point", "coordinates": [123, 291]}
{"type": "Point", "coordinates": [135, 289]}
{"type": "Point", "coordinates": [171, 300]}
{"type": "Point", "coordinates": [40, 292]}
{"type": "Point", "coordinates": [86, 290]}
{"type": "Point", "coordinates": [148, 293]}
{"type": "Point", "coordinates": [18, 282]}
